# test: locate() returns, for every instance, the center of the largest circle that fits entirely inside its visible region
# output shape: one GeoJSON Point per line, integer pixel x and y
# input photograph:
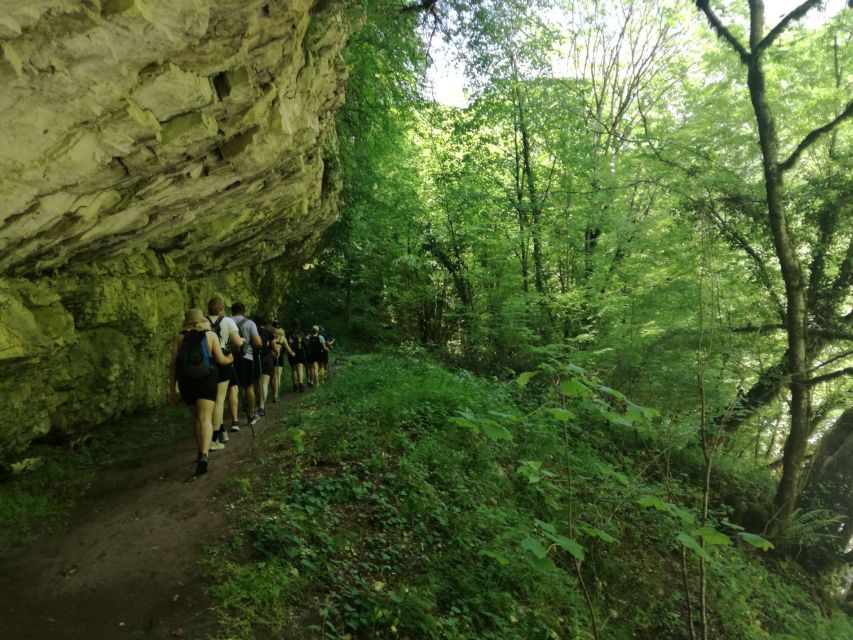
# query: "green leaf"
{"type": "Point", "coordinates": [465, 422]}
{"type": "Point", "coordinates": [535, 547]}
{"type": "Point", "coordinates": [596, 533]}
{"type": "Point", "coordinates": [546, 526]}
{"type": "Point", "coordinates": [531, 469]}
{"type": "Point", "coordinates": [494, 555]}
{"type": "Point", "coordinates": [611, 392]}
{"type": "Point", "coordinates": [568, 545]}
{"type": "Point", "coordinates": [756, 540]}
{"type": "Point", "coordinates": [525, 377]}
{"type": "Point", "coordinates": [574, 388]}
{"type": "Point", "coordinates": [691, 544]}
{"type": "Point", "coordinates": [561, 414]}
{"type": "Point", "coordinates": [655, 503]}
{"type": "Point", "coordinates": [711, 536]}
{"type": "Point", "coordinates": [732, 525]}
{"type": "Point", "coordinates": [545, 564]}
{"type": "Point", "coordinates": [494, 431]}
{"type": "Point", "coordinates": [685, 516]}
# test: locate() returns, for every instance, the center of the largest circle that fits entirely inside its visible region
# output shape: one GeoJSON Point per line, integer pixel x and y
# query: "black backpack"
{"type": "Point", "coordinates": [194, 359]}
{"type": "Point", "coordinates": [315, 346]}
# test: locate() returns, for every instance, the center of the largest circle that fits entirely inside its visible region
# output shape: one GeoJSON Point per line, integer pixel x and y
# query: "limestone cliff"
{"type": "Point", "coordinates": [152, 152]}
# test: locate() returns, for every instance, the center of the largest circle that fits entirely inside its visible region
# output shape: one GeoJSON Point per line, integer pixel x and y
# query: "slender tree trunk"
{"type": "Point", "coordinates": [533, 198]}
{"type": "Point", "coordinates": [795, 445]}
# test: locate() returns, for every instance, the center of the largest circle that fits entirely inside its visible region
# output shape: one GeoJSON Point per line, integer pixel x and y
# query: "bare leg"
{"type": "Point", "coordinates": [219, 409]}
{"type": "Point", "coordinates": [276, 383]}
{"type": "Point", "coordinates": [250, 400]}
{"type": "Point", "coordinates": [234, 402]}
{"type": "Point", "coordinates": [204, 413]}
{"type": "Point", "coordinates": [265, 381]}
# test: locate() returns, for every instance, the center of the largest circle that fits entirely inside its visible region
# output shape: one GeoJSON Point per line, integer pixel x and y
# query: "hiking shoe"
{"type": "Point", "coordinates": [254, 419]}
{"type": "Point", "coordinates": [262, 412]}
{"type": "Point", "coordinates": [223, 436]}
{"type": "Point", "coordinates": [301, 388]}
{"type": "Point", "coordinates": [235, 426]}
{"type": "Point", "coordinates": [201, 465]}
{"type": "Point", "coordinates": [216, 446]}
{"type": "Point", "coordinates": [295, 388]}
{"type": "Point", "coordinates": [310, 384]}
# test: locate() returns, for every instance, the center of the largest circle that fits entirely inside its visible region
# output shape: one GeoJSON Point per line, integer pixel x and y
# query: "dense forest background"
{"type": "Point", "coordinates": [657, 192]}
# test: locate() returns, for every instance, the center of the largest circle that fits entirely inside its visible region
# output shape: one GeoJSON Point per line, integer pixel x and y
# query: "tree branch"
{"type": "Point", "coordinates": [831, 376]}
{"type": "Point", "coordinates": [776, 31]}
{"type": "Point", "coordinates": [814, 135]}
{"type": "Point", "coordinates": [823, 333]}
{"type": "Point", "coordinates": [722, 31]}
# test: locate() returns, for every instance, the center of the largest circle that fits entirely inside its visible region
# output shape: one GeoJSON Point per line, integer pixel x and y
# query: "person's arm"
{"type": "Point", "coordinates": [213, 345]}
{"type": "Point", "coordinates": [323, 343]}
{"type": "Point", "coordinates": [173, 368]}
{"type": "Point", "coordinates": [255, 336]}
{"type": "Point", "coordinates": [287, 346]}
{"type": "Point", "coordinates": [235, 339]}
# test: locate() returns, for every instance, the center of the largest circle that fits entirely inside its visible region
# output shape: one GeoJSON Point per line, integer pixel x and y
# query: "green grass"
{"type": "Point", "coordinates": [42, 498]}
{"type": "Point", "coordinates": [405, 501]}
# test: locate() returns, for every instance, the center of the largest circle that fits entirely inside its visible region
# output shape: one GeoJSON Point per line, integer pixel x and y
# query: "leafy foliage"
{"type": "Point", "coordinates": [398, 518]}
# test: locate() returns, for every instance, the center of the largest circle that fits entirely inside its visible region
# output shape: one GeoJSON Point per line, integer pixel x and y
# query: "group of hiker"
{"type": "Point", "coordinates": [218, 358]}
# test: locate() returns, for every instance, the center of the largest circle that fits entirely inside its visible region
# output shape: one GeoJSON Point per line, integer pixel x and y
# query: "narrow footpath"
{"type": "Point", "coordinates": [129, 563]}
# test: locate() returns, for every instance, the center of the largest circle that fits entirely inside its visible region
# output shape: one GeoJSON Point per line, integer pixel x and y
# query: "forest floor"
{"type": "Point", "coordinates": [130, 562]}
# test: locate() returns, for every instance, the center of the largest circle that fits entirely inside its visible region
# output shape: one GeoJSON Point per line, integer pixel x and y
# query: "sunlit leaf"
{"type": "Point", "coordinates": [525, 377]}
{"type": "Point", "coordinates": [574, 388]}
{"type": "Point", "coordinates": [711, 536]}
{"type": "Point", "coordinates": [690, 543]}
{"type": "Point", "coordinates": [561, 414]}
{"type": "Point", "coordinates": [756, 540]}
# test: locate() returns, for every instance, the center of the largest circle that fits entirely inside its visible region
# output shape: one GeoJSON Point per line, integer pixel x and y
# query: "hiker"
{"type": "Point", "coordinates": [247, 374]}
{"type": "Point", "coordinates": [195, 350]}
{"type": "Point", "coordinates": [316, 348]}
{"type": "Point", "coordinates": [324, 358]}
{"type": "Point", "coordinates": [268, 352]}
{"type": "Point", "coordinates": [283, 348]}
{"type": "Point", "coordinates": [296, 341]}
{"type": "Point", "coordinates": [229, 338]}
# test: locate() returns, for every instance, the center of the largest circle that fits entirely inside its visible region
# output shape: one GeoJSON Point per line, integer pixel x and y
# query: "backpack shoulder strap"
{"type": "Point", "coordinates": [215, 325]}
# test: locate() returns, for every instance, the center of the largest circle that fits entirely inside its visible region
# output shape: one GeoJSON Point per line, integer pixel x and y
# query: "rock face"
{"type": "Point", "coordinates": [152, 153]}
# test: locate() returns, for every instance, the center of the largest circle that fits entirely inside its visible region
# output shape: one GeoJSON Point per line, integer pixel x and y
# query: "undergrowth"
{"type": "Point", "coordinates": [405, 501]}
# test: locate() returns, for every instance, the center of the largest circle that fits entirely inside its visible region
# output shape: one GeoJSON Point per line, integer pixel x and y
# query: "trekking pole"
{"type": "Point", "coordinates": [257, 356]}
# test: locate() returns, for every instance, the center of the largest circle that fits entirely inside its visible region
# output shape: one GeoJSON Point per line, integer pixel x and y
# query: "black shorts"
{"type": "Point", "coordinates": [246, 372]}
{"type": "Point", "coordinates": [295, 360]}
{"type": "Point", "coordinates": [324, 357]}
{"type": "Point", "coordinates": [279, 359]}
{"type": "Point", "coordinates": [226, 372]}
{"type": "Point", "coordinates": [267, 364]}
{"type": "Point", "coordinates": [199, 389]}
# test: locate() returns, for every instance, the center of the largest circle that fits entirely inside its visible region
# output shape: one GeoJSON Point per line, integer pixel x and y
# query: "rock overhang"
{"type": "Point", "coordinates": [189, 127]}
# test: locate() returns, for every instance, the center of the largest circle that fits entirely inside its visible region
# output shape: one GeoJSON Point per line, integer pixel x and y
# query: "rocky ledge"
{"type": "Point", "coordinates": [146, 147]}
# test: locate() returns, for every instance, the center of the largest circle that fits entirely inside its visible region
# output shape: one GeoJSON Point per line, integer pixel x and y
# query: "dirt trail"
{"type": "Point", "coordinates": [128, 564]}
